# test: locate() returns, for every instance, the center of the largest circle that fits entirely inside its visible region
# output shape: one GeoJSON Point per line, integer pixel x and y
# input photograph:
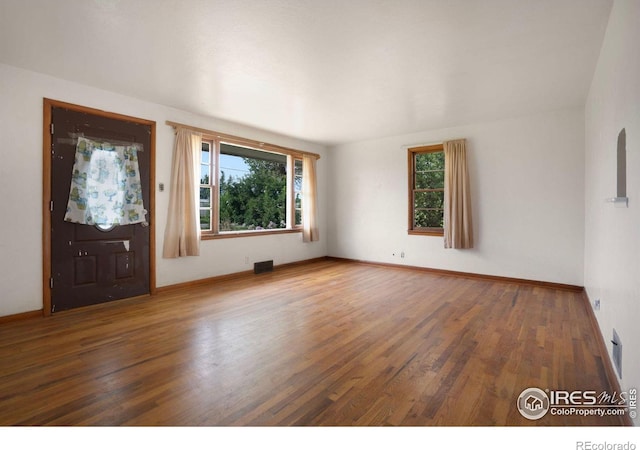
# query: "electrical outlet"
{"type": "Point", "coordinates": [246, 260]}
{"type": "Point", "coordinates": [596, 304]}
{"type": "Point", "coordinates": [402, 255]}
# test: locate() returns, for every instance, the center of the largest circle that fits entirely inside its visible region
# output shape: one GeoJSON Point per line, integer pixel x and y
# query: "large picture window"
{"type": "Point", "coordinates": [245, 190]}
{"type": "Point", "coordinates": [426, 190]}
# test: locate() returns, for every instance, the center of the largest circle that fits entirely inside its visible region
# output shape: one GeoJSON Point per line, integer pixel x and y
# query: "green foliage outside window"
{"type": "Point", "coordinates": [255, 201]}
{"type": "Point", "coordinates": [428, 192]}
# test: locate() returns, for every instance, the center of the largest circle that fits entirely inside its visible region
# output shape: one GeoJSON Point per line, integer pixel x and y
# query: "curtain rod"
{"type": "Point", "coordinates": [73, 140]}
{"type": "Point", "coordinates": [241, 140]}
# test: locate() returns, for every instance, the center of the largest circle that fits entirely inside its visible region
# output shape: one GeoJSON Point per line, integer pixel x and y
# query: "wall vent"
{"type": "Point", "coordinates": [263, 266]}
{"type": "Point", "coordinates": [617, 353]}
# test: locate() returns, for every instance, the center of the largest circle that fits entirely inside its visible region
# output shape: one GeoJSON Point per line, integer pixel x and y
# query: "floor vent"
{"type": "Point", "coordinates": [617, 353]}
{"type": "Point", "coordinates": [263, 266]}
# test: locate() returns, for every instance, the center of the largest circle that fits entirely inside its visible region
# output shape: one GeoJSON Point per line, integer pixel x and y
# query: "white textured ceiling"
{"type": "Point", "coordinates": [329, 71]}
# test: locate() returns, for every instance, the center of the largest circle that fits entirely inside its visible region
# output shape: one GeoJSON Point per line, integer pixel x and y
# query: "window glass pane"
{"type": "Point", "coordinates": [205, 155]}
{"type": "Point", "coordinates": [429, 199]}
{"type": "Point", "coordinates": [205, 219]}
{"type": "Point", "coordinates": [253, 189]}
{"type": "Point", "coordinates": [429, 218]}
{"type": "Point", "coordinates": [427, 170]}
{"type": "Point", "coordinates": [232, 167]}
{"type": "Point", "coordinates": [205, 197]}
{"type": "Point", "coordinates": [429, 161]}
{"type": "Point", "coordinates": [297, 166]}
{"type": "Point", "coordinates": [297, 189]}
{"type": "Point", "coordinates": [430, 180]}
{"type": "Point", "coordinates": [205, 176]}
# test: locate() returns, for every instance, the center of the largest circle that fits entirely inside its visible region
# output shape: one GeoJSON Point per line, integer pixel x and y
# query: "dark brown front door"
{"type": "Point", "coordinates": [90, 265]}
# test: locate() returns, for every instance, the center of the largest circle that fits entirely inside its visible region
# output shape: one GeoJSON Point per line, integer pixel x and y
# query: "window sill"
{"type": "Point", "coordinates": [427, 232]}
{"type": "Point", "coordinates": [241, 234]}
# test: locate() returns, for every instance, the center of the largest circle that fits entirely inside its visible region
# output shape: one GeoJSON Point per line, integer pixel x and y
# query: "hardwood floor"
{"type": "Point", "coordinates": [328, 343]}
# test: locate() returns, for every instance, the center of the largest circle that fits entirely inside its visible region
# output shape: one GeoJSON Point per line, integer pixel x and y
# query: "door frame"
{"type": "Point", "coordinates": [49, 104]}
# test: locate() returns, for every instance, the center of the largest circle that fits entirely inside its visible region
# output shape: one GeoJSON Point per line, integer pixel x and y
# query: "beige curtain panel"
{"type": "Point", "coordinates": [182, 235]}
{"type": "Point", "coordinates": [309, 200]}
{"type": "Point", "coordinates": [458, 224]}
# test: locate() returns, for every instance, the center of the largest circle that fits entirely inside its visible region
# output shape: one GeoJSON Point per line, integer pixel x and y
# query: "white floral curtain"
{"type": "Point", "coordinates": [105, 185]}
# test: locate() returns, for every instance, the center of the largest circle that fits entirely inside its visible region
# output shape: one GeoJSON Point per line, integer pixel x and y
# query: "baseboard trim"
{"type": "Point", "coordinates": [233, 276]}
{"type": "Point", "coordinates": [604, 353]}
{"type": "Point", "coordinates": [203, 281]}
{"type": "Point", "coordinates": [546, 284]}
{"type": "Point", "coordinates": [250, 273]}
{"type": "Point", "coordinates": [304, 262]}
{"type": "Point", "coordinates": [21, 316]}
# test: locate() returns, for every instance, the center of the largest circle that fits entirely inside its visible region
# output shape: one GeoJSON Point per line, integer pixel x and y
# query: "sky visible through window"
{"type": "Point", "coordinates": [233, 166]}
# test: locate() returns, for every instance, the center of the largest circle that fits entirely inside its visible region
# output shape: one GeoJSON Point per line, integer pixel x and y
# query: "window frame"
{"type": "Point", "coordinates": [295, 192]}
{"type": "Point", "coordinates": [213, 182]}
{"type": "Point", "coordinates": [412, 152]}
{"type": "Point", "coordinates": [214, 145]}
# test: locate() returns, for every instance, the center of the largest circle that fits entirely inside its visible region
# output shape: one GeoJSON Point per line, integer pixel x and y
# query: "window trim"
{"type": "Point", "coordinates": [215, 140]}
{"type": "Point", "coordinates": [258, 145]}
{"type": "Point", "coordinates": [213, 182]}
{"type": "Point", "coordinates": [412, 151]}
{"type": "Point", "coordinates": [213, 135]}
{"type": "Point", "coordinates": [292, 184]}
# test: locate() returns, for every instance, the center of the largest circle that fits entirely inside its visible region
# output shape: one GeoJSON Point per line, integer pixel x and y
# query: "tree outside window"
{"type": "Point", "coordinates": [426, 190]}
{"type": "Point", "coordinates": [256, 190]}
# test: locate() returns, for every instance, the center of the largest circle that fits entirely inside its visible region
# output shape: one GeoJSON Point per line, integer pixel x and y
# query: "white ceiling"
{"type": "Point", "coordinates": [329, 71]}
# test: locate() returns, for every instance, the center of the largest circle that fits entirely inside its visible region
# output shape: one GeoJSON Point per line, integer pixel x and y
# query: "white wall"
{"type": "Point", "coordinates": [612, 235]}
{"type": "Point", "coordinates": [21, 94]}
{"type": "Point", "coordinates": [527, 178]}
